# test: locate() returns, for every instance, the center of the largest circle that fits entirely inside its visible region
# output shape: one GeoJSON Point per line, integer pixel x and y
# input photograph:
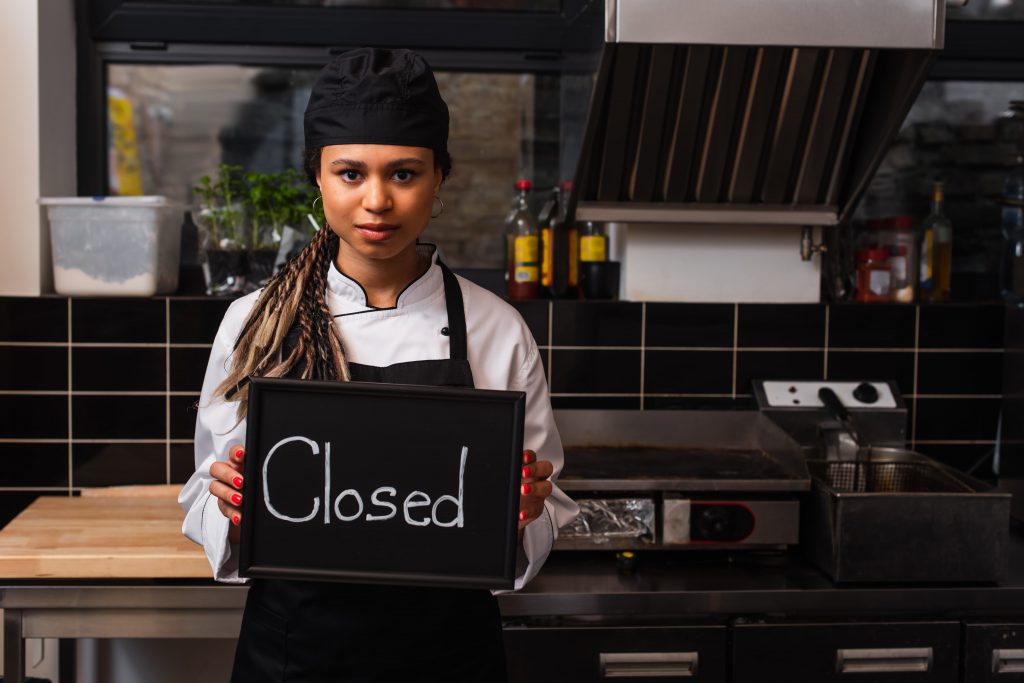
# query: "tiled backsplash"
{"type": "Point", "coordinates": [99, 392]}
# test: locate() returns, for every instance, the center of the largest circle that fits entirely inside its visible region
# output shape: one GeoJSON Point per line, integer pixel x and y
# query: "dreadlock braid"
{"type": "Point", "coordinates": [296, 295]}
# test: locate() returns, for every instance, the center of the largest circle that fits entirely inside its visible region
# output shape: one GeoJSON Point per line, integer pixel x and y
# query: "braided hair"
{"type": "Point", "coordinates": [295, 295]}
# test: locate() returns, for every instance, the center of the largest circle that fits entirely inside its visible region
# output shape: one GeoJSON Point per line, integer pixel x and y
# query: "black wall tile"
{"type": "Point", "coordinates": [118, 464]}
{"type": "Point", "coordinates": [117, 369]}
{"type": "Point", "coordinates": [690, 325]}
{"type": "Point", "coordinates": [195, 321]}
{"type": "Point", "coordinates": [595, 372]}
{"type": "Point", "coordinates": [595, 403]}
{"type": "Point", "coordinates": [957, 418]}
{"type": "Point", "coordinates": [183, 416]}
{"type": "Point", "coordinates": [119, 417]}
{"type": "Point", "coordinates": [33, 464]}
{"type": "Point", "coordinates": [33, 417]}
{"type": "Point", "coordinates": [188, 368]}
{"type": "Point", "coordinates": [535, 313]}
{"type": "Point", "coordinates": [873, 365]}
{"type": "Point", "coordinates": [118, 320]}
{"type": "Point", "coordinates": [33, 319]}
{"type": "Point", "coordinates": [33, 368]}
{"type": "Point", "coordinates": [782, 325]}
{"type": "Point", "coordinates": [962, 456]}
{"type": "Point", "coordinates": [688, 372]}
{"type": "Point", "coordinates": [959, 373]}
{"type": "Point", "coordinates": [183, 462]}
{"type": "Point", "coordinates": [952, 326]}
{"type": "Point", "coordinates": [596, 323]}
{"type": "Point", "coordinates": [871, 326]}
{"type": "Point", "coordinates": [751, 365]}
{"type": "Point", "coordinates": [699, 403]}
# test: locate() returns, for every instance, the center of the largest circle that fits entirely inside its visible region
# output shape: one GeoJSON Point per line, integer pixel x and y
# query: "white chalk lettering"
{"type": "Point", "coordinates": [337, 505]}
{"type": "Point", "coordinates": [266, 488]}
{"type": "Point", "coordinates": [383, 508]}
{"type": "Point", "coordinates": [412, 501]}
{"type": "Point", "coordinates": [375, 499]}
{"type": "Point", "coordinates": [457, 521]}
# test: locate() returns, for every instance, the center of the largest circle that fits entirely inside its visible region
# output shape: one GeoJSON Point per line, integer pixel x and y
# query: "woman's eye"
{"type": "Point", "coordinates": [403, 176]}
{"type": "Point", "coordinates": [350, 176]}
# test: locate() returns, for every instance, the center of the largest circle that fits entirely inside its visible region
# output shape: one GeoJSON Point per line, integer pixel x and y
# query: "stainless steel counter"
{"type": "Point", "coordinates": [573, 587]}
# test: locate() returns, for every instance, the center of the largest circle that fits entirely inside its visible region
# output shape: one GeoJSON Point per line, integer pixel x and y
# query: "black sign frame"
{"type": "Point", "coordinates": [508, 408]}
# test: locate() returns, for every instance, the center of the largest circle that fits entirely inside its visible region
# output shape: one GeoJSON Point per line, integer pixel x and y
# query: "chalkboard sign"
{"type": "Point", "coordinates": [381, 483]}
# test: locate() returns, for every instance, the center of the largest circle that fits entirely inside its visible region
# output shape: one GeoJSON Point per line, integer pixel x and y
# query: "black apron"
{"type": "Point", "coordinates": [327, 632]}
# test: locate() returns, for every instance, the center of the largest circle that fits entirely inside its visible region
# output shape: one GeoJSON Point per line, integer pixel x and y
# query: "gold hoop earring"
{"type": "Point", "coordinates": [435, 215]}
{"type": "Point", "coordinates": [319, 198]}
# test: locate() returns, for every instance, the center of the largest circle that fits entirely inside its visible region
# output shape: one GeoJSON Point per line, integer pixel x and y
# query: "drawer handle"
{"type": "Point", "coordinates": [1008, 661]}
{"type": "Point", "coordinates": [883, 660]}
{"type": "Point", "coordinates": [648, 664]}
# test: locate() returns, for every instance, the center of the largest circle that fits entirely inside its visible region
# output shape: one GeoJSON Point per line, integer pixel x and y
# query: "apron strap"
{"type": "Point", "coordinates": [456, 314]}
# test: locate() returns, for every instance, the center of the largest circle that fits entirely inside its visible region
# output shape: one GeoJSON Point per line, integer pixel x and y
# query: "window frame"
{"type": "Point", "coordinates": [117, 31]}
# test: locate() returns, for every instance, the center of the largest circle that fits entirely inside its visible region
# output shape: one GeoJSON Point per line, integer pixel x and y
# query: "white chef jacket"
{"type": "Point", "coordinates": [502, 354]}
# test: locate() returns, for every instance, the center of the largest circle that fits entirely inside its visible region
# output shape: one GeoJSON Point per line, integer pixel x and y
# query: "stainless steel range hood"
{"type": "Point", "coordinates": [749, 111]}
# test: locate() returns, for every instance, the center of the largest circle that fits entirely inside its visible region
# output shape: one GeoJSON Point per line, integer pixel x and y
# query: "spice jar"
{"type": "Point", "coordinates": [900, 240]}
{"type": "Point", "coordinates": [873, 275]}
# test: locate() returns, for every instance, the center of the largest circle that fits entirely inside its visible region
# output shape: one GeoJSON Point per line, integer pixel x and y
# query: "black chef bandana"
{"type": "Point", "coordinates": [375, 96]}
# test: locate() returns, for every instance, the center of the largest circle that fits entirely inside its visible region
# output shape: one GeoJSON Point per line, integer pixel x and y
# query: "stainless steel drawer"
{"type": "Point", "coordinates": [994, 652]}
{"type": "Point", "coordinates": [859, 652]}
{"type": "Point", "coordinates": [641, 653]}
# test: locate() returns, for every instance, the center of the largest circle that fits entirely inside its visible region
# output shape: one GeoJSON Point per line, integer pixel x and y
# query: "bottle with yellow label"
{"type": "Point", "coordinates": [524, 247]}
{"type": "Point", "coordinates": [593, 242]}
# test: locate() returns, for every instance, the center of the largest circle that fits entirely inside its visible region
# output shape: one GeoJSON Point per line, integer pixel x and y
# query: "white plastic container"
{"type": "Point", "coordinates": [114, 246]}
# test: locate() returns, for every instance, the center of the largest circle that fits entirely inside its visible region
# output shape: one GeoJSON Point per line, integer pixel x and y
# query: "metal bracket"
{"type": "Point", "coordinates": [807, 246]}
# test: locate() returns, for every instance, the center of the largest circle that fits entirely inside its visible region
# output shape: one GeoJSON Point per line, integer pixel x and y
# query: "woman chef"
{"type": "Point", "coordinates": [365, 301]}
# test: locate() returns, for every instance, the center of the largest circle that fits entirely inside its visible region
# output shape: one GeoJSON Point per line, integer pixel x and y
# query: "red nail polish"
{"type": "Point", "coordinates": [526, 458]}
{"type": "Point", "coordinates": [236, 499]}
{"type": "Point", "coordinates": [522, 515]}
{"type": "Point", "coordinates": [238, 453]}
{"type": "Point", "coordinates": [526, 489]}
{"type": "Point", "coordinates": [526, 471]}
{"type": "Point", "coordinates": [237, 481]}
{"type": "Point", "coordinates": [236, 520]}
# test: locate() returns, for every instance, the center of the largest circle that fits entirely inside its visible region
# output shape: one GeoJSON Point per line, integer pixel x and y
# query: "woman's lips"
{"type": "Point", "coordinates": [377, 232]}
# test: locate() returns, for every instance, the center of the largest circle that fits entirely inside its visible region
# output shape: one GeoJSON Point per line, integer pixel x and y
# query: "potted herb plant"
{"type": "Point", "coordinates": [221, 221]}
{"type": "Point", "coordinates": [273, 201]}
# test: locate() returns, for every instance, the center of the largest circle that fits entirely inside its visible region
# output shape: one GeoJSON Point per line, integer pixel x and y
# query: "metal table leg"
{"type": "Point", "coordinates": [14, 647]}
{"type": "Point", "coordinates": [66, 660]}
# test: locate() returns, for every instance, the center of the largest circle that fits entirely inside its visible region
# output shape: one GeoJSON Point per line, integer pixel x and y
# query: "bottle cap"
{"type": "Point", "coordinates": [523, 184]}
{"type": "Point", "coordinates": [872, 255]}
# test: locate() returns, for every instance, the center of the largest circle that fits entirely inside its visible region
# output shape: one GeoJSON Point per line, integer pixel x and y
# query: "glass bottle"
{"type": "Point", "coordinates": [549, 224]}
{"type": "Point", "coordinates": [572, 246]}
{"type": "Point", "coordinates": [936, 250]}
{"type": "Point", "coordinates": [524, 247]}
{"type": "Point", "coordinates": [593, 242]}
{"type": "Point", "coordinates": [1011, 270]}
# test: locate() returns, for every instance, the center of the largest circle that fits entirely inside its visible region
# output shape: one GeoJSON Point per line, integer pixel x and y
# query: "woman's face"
{"type": "Point", "coordinates": [378, 198]}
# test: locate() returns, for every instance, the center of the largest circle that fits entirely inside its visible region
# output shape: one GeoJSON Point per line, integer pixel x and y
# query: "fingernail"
{"type": "Point", "coordinates": [238, 453]}
{"type": "Point", "coordinates": [526, 471]}
{"type": "Point", "coordinates": [526, 489]}
{"type": "Point", "coordinates": [526, 458]}
{"type": "Point", "coordinates": [237, 481]}
{"type": "Point", "coordinates": [522, 515]}
{"type": "Point", "coordinates": [236, 499]}
{"type": "Point", "coordinates": [236, 520]}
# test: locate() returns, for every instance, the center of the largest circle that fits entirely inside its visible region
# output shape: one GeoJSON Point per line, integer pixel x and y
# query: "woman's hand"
{"type": "Point", "coordinates": [534, 488]}
{"type": "Point", "coordinates": [227, 486]}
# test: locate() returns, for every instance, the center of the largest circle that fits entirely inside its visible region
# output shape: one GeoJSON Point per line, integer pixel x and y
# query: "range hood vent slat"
{"type": "Point", "coordinates": [756, 130]}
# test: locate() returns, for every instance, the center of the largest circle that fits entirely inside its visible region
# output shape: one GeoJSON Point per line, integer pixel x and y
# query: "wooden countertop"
{"type": "Point", "coordinates": [125, 533]}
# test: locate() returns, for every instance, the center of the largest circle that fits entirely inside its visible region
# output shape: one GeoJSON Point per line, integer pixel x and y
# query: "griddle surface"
{"type": "Point", "coordinates": [646, 464]}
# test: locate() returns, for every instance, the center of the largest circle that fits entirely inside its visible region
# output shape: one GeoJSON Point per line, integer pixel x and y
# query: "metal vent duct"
{"type": "Point", "coordinates": [748, 133]}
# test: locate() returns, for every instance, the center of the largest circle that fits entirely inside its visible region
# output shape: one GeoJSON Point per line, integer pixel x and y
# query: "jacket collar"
{"type": "Point", "coordinates": [350, 297]}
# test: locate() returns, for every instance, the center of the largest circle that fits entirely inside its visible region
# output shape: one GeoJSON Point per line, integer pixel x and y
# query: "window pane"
{"type": "Point", "coordinates": [508, 5]}
{"type": "Point", "coordinates": [955, 132]}
{"type": "Point", "coordinates": [169, 124]}
{"type": "Point", "coordinates": [988, 10]}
